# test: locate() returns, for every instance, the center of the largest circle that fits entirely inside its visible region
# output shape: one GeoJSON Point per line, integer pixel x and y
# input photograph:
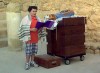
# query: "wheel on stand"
{"type": "Point", "coordinates": [82, 58]}
{"type": "Point", "coordinates": [67, 62]}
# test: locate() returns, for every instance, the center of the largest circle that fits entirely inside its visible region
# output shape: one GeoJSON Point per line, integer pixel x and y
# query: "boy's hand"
{"type": "Point", "coordinates": [33, 29]}
{"type": "Point", "coordinates": [44, 28]}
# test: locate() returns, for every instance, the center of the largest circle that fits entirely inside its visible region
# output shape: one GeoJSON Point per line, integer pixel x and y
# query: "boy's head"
{"type": "Point", "coordinates": [32, 10]}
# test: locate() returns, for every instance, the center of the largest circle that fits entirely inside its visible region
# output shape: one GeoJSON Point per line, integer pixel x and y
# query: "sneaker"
{"type": "Point", "coordinates": [27, 66]}
{"type": "Point", "coordinates": [33, 64]}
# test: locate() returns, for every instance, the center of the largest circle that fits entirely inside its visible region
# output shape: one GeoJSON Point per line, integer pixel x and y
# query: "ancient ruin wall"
{"type": "Point", "coordinates": [87, 8]}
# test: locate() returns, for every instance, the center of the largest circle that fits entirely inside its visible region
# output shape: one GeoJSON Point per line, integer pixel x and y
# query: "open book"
{"type": "Point", "coordinates": [47, 24]}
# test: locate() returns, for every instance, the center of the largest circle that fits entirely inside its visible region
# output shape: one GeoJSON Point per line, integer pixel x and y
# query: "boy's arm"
{"type": "Point", "coordinates": [33, 29]}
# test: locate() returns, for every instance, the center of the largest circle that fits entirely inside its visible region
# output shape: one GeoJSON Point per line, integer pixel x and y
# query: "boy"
{"type": "Point", "coordinates": [29, 35]}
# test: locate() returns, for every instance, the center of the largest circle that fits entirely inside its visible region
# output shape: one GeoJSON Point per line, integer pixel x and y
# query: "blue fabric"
{"type": "Point", "coordinates": [59, 15]}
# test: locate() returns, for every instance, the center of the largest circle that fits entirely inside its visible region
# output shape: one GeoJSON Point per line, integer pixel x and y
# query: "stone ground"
{"type": "Point", "coordinates": [13, 62]}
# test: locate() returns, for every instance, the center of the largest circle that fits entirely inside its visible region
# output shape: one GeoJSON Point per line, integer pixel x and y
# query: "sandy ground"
{"type": "Point", "coordinates": [13, 62]}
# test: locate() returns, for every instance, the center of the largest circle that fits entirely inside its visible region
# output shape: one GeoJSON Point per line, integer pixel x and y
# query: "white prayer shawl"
{"type": "Point", "coordinates": [24, 28]}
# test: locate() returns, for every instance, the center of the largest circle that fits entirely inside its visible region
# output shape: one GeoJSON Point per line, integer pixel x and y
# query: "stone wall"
{"type": "Point", "coordinates": [87, 8]}
{"type": "Point", "coordinates": [2, 5]}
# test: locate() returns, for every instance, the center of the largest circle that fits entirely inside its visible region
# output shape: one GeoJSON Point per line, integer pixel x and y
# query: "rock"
{"type": "Point", "coordinates": [2, 5]}
{"type": "Point", "coordinates": [14, 7]}
{"type": "Point", "coordinates": [25, 6]}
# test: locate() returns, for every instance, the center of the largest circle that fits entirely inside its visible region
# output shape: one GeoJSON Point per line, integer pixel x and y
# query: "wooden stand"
{"type": "Point", "coordinates": [67, 40]}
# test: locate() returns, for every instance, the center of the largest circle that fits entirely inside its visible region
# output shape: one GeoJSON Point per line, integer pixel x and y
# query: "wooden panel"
{"type": "Point", "coordinates": [69, 30]}
{"type": "Point", "coordinates": [72, 50]}
{"type": "Point", "coordinates": [67, 40]}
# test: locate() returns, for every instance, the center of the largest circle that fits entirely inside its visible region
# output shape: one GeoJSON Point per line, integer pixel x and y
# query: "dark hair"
{"type": "Point", "coordinates": [32, 7]}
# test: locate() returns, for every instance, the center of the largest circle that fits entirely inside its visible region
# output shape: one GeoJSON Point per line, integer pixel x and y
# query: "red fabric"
{"type": "Point", "coordinates": [33, 34]}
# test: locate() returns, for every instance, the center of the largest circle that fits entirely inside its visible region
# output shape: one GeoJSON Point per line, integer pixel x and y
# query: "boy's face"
{"type": "Point", "coordinates": [33, 12]}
